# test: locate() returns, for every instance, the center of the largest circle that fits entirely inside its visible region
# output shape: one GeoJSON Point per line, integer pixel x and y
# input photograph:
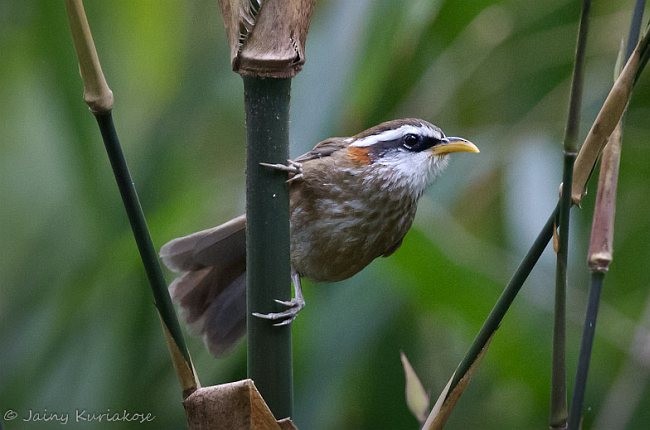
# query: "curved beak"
{"type": "Point", "coordinates": [454, 144]}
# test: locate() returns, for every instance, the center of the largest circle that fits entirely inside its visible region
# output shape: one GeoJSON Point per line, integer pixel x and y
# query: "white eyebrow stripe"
{"type": "Point", "coordinates": [388, 135]}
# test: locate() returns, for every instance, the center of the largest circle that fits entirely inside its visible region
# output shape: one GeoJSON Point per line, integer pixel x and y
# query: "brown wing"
{"type": "Point", "coordinates": [324, 149]}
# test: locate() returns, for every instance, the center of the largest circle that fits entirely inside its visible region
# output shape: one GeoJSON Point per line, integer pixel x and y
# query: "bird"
{"type": "Point", "coordinates": [352, 199]}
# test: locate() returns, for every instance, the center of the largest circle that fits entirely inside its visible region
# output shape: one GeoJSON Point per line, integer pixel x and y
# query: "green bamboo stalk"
{"type": "Point", "coordinates": [586, 345]}
{"type": "Point", "coordinates": [575, 100]}
{"type": "Point", "coordinates": [602, 235]}
{"type": "Point", "coordinates": [139, 227]}
{"type": "Point", "coordinates": [525, 267]}
{"type": "Point", "coordinates": [559, 410]}
{"type": "Point", "coordinates": [612, 108]}
{"type": "Point", "coordinates": [635, 27]}
{"type": "Point", "coordinates": [267, 229]}
{"type": "Point", "coordinates": [99, 98]}
{"type": "Point", "coordinates": [504, 301]}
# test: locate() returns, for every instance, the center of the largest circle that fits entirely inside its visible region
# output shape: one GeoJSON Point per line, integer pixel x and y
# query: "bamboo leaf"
{"type": "Point", "coordinates": [417, 398]}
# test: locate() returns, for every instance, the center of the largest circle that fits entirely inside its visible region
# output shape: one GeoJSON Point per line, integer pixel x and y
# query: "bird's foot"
{"type": "Point", "coordinates": [292, 167]}
{"type": "Point", "coordinates": [294, 306]}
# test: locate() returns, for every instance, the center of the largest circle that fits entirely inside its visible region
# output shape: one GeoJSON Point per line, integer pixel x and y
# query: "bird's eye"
{"type": "Point", "coordinates": [410, 140]}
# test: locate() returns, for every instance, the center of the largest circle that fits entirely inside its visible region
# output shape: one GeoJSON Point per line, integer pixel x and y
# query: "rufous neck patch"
{"type": "Point", "coordinates": [359, 155]}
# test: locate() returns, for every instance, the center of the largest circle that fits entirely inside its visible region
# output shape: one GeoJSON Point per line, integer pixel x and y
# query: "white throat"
{"type": "Point", "coordinates": [408, 171]}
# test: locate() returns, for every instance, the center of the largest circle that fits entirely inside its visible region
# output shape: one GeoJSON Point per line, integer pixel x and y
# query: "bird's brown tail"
{"type": "Point", "coordinates": [211, 287]}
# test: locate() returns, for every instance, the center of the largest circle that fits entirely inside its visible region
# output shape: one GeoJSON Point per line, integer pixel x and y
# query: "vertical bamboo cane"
{"type": "Point", "coordinates": [559, 410]}
{"type": "Point", "coordinates": [602, 233]}
{"type": "Point", "coordinates": [267, 241]}
{"type": "Point", "coordinates": [267, 40]}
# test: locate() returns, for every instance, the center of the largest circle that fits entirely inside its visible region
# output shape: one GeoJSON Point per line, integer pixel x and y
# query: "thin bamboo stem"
{"type": "Point", "coordinates": [585, 350]}
{"type": "Point", "coordinates": [504, 301]}
{"type": "Point", "coordinates": [602, 237]}
{"type": "Point", "coordinates": [267, 229]}
{"type": "Point", "coordinates": [635, 27]}
{"type": "Point", "coordinates": [99, 98]}
{"type": "Point", "coordinates": [148, 254]}
{"type": "Point", "coordinates": [559, 414]}
{"type": "Point", "coordinates": [558, 409]}
{"type": "Point", "coordinates": [589, 151]}
{"type": "Point", "coordinates": [577, 79]}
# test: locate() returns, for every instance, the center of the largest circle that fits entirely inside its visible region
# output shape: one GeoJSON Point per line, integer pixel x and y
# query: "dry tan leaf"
{"type": "Point", "coordinates": [417, 398]}
{"type": "Point", "coordinates": [184, 371]}
{"type": "Point", "coordinates": [610, 114]}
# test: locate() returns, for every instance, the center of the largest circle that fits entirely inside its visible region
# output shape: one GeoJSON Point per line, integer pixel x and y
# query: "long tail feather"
{"type": "Point", "coordinates": [211, 286]}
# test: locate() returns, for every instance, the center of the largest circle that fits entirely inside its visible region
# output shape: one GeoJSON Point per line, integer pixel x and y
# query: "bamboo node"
{"type": "Point", "coordinates": [600, 261]}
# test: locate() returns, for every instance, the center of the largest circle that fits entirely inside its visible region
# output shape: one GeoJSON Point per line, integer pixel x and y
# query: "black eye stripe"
{"type": "Point", "coordinates": [420, 143]}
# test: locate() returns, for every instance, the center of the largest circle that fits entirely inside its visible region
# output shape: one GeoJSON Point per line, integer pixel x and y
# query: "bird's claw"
{"type": "Point", "coordinates": [294, 306]}
{"type": "Point", "coordinates": [292, 167]}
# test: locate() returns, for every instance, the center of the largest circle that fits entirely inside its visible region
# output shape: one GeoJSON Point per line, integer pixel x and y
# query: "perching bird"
{"type": "Point", "coordinates": [351, 200]}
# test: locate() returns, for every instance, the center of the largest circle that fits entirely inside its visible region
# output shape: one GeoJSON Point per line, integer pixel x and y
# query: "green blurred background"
{"type": "Point", "coordinates": [78, 329]}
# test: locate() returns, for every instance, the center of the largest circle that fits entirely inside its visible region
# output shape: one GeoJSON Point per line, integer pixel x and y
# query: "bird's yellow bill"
{"type": "Point", "coordinates": [455, 144]}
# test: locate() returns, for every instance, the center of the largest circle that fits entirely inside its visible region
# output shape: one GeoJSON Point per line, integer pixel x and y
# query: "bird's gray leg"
{"type": "Point", "coordinates": [293, 306]}
{"type": "Point", "coordinates": [292, 167]}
